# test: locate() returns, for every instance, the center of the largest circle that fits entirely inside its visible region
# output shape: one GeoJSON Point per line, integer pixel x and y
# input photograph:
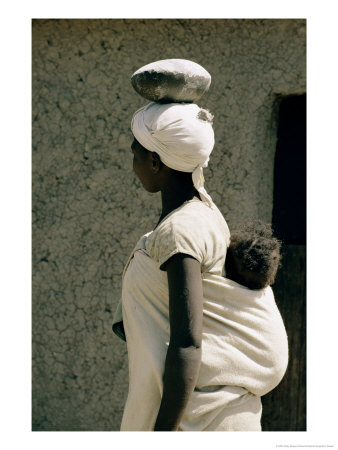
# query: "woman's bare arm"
{"type": "Point", "coordinates": [184, 351]}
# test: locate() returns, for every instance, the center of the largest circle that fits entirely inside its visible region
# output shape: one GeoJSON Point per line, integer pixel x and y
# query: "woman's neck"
{"type": "Point", "coordinates": [175, 193]}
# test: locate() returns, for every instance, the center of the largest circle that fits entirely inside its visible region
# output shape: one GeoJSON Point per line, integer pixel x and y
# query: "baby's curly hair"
{"type": "Point", "coordinates": [257, 250]}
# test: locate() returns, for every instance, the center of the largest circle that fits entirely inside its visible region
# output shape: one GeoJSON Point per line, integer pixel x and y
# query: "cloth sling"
{"type": "Point", "coordinates": [244, 349]}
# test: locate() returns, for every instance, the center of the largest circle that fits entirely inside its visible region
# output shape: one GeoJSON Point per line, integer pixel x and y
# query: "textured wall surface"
{"type": "Point", "coordinates": [88, 207]}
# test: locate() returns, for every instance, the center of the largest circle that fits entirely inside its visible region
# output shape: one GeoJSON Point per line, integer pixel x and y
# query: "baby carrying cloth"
{"type": "Point", "coordinates": [181, 134]}
{"type": "Point", "coordinates": [244, 344]}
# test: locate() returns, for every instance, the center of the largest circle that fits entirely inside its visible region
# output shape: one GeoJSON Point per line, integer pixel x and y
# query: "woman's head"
{"type": "Point", "coordinates": [180, 134]}
{"type": "Point", "coordinates": [151, 171]}
{"type": "Point", "coordinates": [253, 256]}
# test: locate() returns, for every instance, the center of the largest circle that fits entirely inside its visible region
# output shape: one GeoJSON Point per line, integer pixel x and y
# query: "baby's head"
{"type": "Point", "coordinates": [253, 256]}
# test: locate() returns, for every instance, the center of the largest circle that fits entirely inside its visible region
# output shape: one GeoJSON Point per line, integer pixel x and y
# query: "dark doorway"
{"type": "Point", "coordinates": [284, 409]}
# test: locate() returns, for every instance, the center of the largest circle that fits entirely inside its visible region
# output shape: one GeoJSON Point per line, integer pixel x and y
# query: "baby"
{"type": "Point", "coordinates": [253, 256]}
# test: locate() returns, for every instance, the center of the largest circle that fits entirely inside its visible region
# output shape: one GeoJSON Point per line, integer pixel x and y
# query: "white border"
{"type": "Point", "coordinates": [16, 219]}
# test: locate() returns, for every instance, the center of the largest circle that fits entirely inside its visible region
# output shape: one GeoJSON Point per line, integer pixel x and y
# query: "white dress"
{"type": "Point", "coordinates": [244, 344]}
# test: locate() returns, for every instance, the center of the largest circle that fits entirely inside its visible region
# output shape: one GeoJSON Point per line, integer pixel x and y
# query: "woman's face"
{"type": "Point", "coordinates": [143, 166]}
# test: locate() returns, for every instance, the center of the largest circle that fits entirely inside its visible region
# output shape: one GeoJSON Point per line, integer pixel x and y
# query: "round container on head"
{"type": "Point", "coordinates": [171, 81]}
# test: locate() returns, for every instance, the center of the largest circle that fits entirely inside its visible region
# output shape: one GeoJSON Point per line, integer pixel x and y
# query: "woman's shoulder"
{"type": "Point", "coordinates": [194, 228]}
{"type": "Point", "coordinates": [204, 218]}
{"type": "Point", "coordinates": [196, 211]}
{"type": "Point", "coordinates": [194, 217]}
{"type": "Point", "coordinates": [194, 220]}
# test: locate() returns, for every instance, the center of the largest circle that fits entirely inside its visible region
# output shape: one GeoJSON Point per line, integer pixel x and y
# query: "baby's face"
{"type": "Point", "coordinates": [235, 272]}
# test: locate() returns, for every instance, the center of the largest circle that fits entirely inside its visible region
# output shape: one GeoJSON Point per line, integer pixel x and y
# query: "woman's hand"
{"type": "Point", "coordinates": [184, 351]}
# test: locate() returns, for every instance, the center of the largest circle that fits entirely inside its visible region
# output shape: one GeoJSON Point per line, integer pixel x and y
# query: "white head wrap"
{"type": "Point", "coordinates": [180, 135]}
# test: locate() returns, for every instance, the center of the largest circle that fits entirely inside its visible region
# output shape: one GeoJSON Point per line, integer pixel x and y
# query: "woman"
{"type": "Point", "coordinates": [171, 305]}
